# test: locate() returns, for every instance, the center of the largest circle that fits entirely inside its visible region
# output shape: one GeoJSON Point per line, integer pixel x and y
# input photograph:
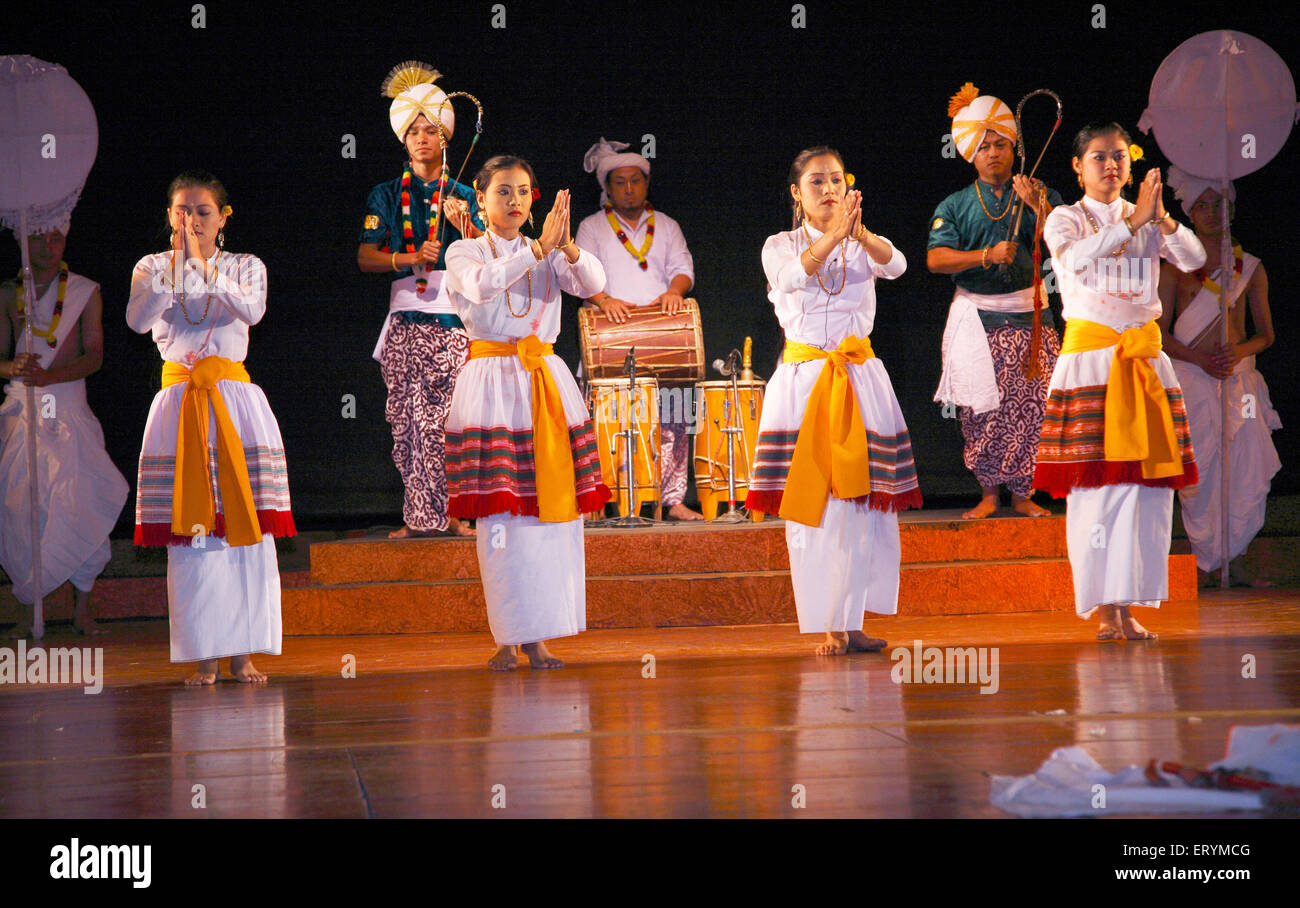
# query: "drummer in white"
{"type": "Point", "coordinates": [646, 264]}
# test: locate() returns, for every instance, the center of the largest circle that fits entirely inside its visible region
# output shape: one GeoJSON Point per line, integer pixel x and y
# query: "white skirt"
{"type": "Point", "coordinates": [80, 491]}
{"type": "Point", "coordinates": [534, 578]}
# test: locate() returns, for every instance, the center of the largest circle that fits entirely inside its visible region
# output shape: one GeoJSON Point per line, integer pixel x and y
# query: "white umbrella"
{"type": "Point", "coordinates": [48, 141]}
{"type": "Point", "coordinates": [1221, 105]}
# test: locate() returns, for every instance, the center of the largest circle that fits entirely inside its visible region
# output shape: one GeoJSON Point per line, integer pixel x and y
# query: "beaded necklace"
{"type": "Point", "coordinates": [216, 269]}
{"type": "Point", "coordinates": [1237, 262]}
{"type": "Point", "coordinates": [639, 255]}
{"type": "Point", "coordinates": [408, 232]}
{"type": "Point", "coordinates": [844, 263]}
{"type": "Point", "coordinates": [528, 276]}
{"type": "Point", "coordinates": [1095, 229]}
{"type": "Point", "coordinates": [980, 196]}
{"type": "Point", "coordinates": [48, 334]}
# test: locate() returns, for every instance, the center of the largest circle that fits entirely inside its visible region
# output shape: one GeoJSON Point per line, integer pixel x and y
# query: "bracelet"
{"type": "Point", "coordinates": [984, 258]}
{"type": "Point", "coordinates": [536, 246]}
{"type": "Point", "coordinates": [395, 268]}
{"type": "Point", "coordinates": [1129, 225]}
{"type": "Point", "coordinates": [813, 256]}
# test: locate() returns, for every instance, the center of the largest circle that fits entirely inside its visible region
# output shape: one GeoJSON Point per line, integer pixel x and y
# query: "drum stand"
{"type": "Point", "coordinates": [733, 427]}
{"type": "Point", "coordinates": [629, 436]}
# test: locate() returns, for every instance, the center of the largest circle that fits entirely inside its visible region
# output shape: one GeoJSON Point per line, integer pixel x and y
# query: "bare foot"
{"type": "Point", "coordinates": [407, 533]}
{"type": "Point", "coordinates": [861, 643]}
{"type": "Point", "coordinates": [680, 511]}
{"type": "Point", "coordinates": [540, 657]}
{"type": "Point", "coordinates": [457, 527]}
{"type": "Point", "coordinates": [837, 644]}
{"type": "Point", "coordinates": [988, 504]}
{"type": "Point", "coordinates": [505, 660]}
{"type": "Point", "coordinates": [1027, 507]}
{"type": "Point", "coordinates": [204, 675]}
{"type": "Point", "coordinates": [1110, 628]}
{"type": "Point", "coordinates": [1133, 630]}
{"type": "Point", "coordinates": [242, 668]}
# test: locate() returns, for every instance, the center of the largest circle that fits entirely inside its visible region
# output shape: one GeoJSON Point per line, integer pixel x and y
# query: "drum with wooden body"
{"type": "Point", "coordinates": [608, 400]}
{"type": "Point", "coordinates": [669, 347]}
{"type": "Point", "coordinates": [717, 410]}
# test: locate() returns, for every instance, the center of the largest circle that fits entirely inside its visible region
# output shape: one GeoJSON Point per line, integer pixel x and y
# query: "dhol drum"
{"type": "Point", "coordinates": [669, 347]}
{"type": "Point", "coordinates": [608, 400]}
{"type": "Point", "coordinates": [717, 410]}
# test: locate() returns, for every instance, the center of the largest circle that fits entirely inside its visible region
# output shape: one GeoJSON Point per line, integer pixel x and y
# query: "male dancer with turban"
{"type": "Point", "coordinates": [990, 331]}
{"type": "Point", "coordinates": [423, 344]}
{"type": "Point", "coordinates": [646, 263]}
{"type": "Point", "coordinates": [1206, 369]}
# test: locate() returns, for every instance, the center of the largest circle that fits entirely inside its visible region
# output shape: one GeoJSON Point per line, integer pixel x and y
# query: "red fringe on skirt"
{"type": "Point", "coordinates": [274, 523]}
{"type": "Point", "coordinates": [769, 501]}
{"type": "Point", "coordinates": [474, 506]}
{"type": "Point", "coordinates": [1057, 479]}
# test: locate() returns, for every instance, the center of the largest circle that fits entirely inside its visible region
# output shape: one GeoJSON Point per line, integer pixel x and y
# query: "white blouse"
{"type": "Point", "coordinates": [234, 299]}
{"type": "Point", "coordinates": [1118, 291]}
{"type": "Point", "coordinates": [807, 312]}
{"type": "Point", "coordinates": [479, 283]}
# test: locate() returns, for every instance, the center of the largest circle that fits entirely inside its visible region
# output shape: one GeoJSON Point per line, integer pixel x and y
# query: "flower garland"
{"type": "Point", "coordinates": [622, 236]}
{"type": "Point", "coordinates": [1237, 262]}
{"type": "Point", "coordinates": [408, 232]}
{"type": "Point", "coordinates": [49, 333]}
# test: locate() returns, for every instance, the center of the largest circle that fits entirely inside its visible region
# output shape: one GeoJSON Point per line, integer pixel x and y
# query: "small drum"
{"type": "Point", "coordinates": [669, 347]}
{"type": "Point", "coordinates": [717, 411]}
{"type": "Point", "coordinates": [608, 400]}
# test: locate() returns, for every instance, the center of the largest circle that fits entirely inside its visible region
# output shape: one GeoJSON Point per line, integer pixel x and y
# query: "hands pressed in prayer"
{"type": "Point", "coordinates": [184, 239]}
{"type": "Point", "coordinates": [847, 219]}
{"type": "Point", "coordinates": [1150, 202]}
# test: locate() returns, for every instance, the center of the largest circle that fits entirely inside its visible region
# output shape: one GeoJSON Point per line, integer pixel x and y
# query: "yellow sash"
{"type": "Point", "coordinates": [552, 455]}
{"type": "Point", "coordinates": [192, 501]}
{"type": "Point", "coordinates": [1139, 424]}
{"type": "Point", "coordinates": [831, 455]}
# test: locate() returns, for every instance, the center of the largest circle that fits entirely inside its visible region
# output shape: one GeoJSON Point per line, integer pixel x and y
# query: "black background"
{"type": "Point", "coordinates": [264, 94]}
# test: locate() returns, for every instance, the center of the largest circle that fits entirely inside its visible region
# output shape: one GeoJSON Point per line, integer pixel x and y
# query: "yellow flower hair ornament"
{"type": "Point", "coordinates": [1135, 152]}
{"type": "Point", "coordinates": [227, 211]}
{"type": "Point", "coordinates": [850, 179]}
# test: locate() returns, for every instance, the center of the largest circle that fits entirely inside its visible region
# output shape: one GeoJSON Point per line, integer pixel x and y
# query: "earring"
{"type": "Point", "coordinates": [798, 210]}
{"type": "Point", "coordinates": [1129, 181]}
{"type": "Point", "coordinates": [530, 221]}
{"type": "Point", "coordinates": [221, 239]}
{"type": "Point", "coordinates": [1079, 177]}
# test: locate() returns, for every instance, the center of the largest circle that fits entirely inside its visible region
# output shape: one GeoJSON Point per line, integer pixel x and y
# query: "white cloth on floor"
{"type": "Point", "coordinates": [223, 600]}
{"type": "Point", "coordinates": [534, 577]}
{"type": "Point", "coordinates": [844, 568]}
{"type": "Point", "coordinates": [1064, 786]}
{"type": "Point", "coordinates": [1118, 539]}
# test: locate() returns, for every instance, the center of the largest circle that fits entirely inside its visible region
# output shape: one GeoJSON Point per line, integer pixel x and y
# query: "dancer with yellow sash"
{"type": "Point", "coordinates": [1115, 443]}
{"type": "Point", "coordinates": [833, 458]}
{"type": "Point", "coordinates": [213, 484]}
{"type": "Point", "coordinates": [521, 453]}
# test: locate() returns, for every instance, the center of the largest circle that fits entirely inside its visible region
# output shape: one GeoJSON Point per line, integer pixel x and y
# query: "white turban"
{"type": "Point", "coordinates": [605, 156]}
{"type": "Point", "coordinates": [425, 98]}
{"type": "Point", "coordinates": [973, 115]}
{"type": "Point", "coordinates": [1187, 188]}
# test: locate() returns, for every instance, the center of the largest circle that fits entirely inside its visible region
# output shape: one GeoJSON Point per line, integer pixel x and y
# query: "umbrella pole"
{"type": "Point", "coordinates": [1226, 273]}
{"type": "Point", "coordinates": [34, 477]}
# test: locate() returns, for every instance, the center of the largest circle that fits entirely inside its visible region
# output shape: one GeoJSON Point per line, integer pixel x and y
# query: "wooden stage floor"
{"type": "Point", "coordinates": [732, 722]}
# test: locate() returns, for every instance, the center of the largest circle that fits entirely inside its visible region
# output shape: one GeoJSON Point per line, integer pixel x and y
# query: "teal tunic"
{"type": "Point", "coordinates": [960, 223]}
{"type": "Point", "coordinates": [383, 223]}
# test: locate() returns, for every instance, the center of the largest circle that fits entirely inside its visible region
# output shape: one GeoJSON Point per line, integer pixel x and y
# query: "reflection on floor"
{"type": "Point", "coordinates": [669, 722]}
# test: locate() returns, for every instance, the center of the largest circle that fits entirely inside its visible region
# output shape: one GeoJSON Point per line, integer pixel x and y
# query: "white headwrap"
{"type": "Point", "coordinates": [1187, 188]}
{"type": "Point", "coordinates": [604, 156]}
{"type": "Point", "coordinates": [411, 87]}
{"type": "Point", "coordinates": [973, 115]}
